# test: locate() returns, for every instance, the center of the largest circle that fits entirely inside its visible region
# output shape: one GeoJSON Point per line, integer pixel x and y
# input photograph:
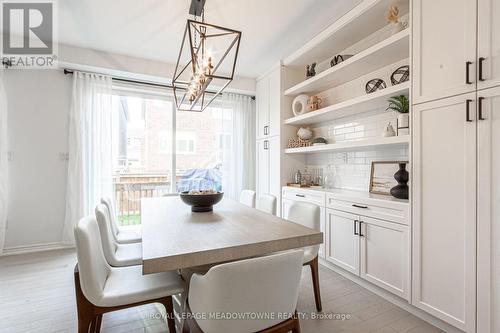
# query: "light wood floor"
{"type": "Point", "coordinates": [37, 295]}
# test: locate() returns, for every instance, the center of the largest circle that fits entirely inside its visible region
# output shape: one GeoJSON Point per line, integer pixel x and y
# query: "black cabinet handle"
{"type": "Point", "coordinates": [467, 110]}
{"type": "Point", "coordinates": [467, 72]}
{"type": "Point", "coordinates": [355, 227]}
{"type": "Point", "coordinates": [481, 60]}
{"type": "Point", "coordinates": [361, 229]}
{"type": "Point", "coordinates": [266, 130]}
{"type": "Point", "coordinates": [266, 145]}
{"type": "Point", "coordinates": [300, 195]}
{"type": "Point", "coordinates": [359, 206]}
{"type": "Point", "coordinates": [480, 108]}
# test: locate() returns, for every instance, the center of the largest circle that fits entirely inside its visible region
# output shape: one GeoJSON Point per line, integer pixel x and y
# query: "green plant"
{"type": "Point", "coordinates": [399, 104]}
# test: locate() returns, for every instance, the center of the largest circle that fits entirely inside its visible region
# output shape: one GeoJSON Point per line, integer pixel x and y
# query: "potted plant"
{"type": "Point", "coordinates": [401, 105]}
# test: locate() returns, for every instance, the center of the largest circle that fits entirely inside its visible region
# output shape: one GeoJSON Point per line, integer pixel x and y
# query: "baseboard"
{"type": "Point", "coordinates": [400, 302]}
{"type": "Point", "coordinates": [9, 251]}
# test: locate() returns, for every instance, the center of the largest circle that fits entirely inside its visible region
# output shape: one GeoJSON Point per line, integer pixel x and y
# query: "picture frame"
{"type": "Point", "coordinates": [382, 176]}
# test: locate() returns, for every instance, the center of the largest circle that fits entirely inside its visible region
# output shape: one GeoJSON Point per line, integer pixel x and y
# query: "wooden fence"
{"type": "Point", "coordinates": [129, 189]}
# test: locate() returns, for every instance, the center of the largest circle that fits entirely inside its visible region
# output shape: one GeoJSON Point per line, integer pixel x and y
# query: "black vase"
{"type": "Point", "coordinates": [400, 191]}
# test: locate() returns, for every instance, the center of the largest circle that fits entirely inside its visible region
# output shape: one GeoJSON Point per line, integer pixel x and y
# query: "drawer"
{"type": "Point", "coordinates": [311, 196]}
{"type": "Point", "coordinates": [381, 209]}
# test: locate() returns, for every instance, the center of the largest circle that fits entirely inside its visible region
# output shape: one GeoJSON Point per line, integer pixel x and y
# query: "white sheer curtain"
{"type": "Point", "coordinates": [239, 160]}
{"type": "Point", "coordinates": [3, 162]}
{"type": "Point", "coordinates": [90, 148]}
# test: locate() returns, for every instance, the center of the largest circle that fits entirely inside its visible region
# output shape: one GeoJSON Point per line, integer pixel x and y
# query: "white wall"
{"type": "Point", "coordinates": [38, 106]}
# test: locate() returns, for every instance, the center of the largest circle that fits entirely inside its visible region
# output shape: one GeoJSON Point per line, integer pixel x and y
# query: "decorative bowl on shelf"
{"type": "Point", "coordinates": [201, 202]}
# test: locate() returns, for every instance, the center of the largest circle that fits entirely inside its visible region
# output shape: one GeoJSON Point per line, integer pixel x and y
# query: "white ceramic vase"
{"type": "Point", "coordinates": [305, 133]}
{"type": "Point", "coordinates": [403, 120]}
{"type": "Point", "coordinates": [299, 105]}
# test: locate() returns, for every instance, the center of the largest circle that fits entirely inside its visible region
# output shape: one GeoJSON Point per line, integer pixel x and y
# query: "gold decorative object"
{"type": "Point", "coordinates": [298, 143]}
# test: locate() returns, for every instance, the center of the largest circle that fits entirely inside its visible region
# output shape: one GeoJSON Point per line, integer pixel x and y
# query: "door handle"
{"type": "Point", "coordinates": [359, 206]}
{"type": "Point", "coordinates": [361, 229]}
{"type": "Point", "coordinates": [355, 227]}
{"type": "Point", "coordinates": [467, 110]}
{"type": "Point", "coordinates": [480, 108]}
{"type": "Point", "coordinates": [300, 195]}
{"type": "Point", "coordinates": [480, 76]}
{"type": "Point", "coordinates": [467, 72]}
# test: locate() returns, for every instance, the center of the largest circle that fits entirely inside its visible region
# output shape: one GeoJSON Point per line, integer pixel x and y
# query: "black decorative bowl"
{"type": "Point", "coordinates": [201, 202]}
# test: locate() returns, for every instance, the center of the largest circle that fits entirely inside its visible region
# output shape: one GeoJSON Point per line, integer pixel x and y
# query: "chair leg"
{"type": "Point", "coordinates": [97, 324]}
{"type": "Point", "coordinates": [315, 279]}
{"type": "Point", "coordinates": [85, 309]}
{"type": "Point", "coordinates": [169, 308]}
{"type": "Point", "coordinates": [296, 326]}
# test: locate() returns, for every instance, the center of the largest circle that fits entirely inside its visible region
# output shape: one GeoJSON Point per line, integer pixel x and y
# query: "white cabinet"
{"type": "Point", "coordinates": [343, 240]}
{"type": "Point", "coordinates": [262, 167]}
{"type": "Point", "coordinates": [268, 126]}
{"type": "Point", "coordinates": [268, 177]}
{"type": "Point", "coordinates": [376, 250]}
{"type": "Point", "coordinates": [444, 211]}
{"type": "Point", "coordinates": [488, 212]}
{"type": "Point", "coordinates": [488, 43]}
{"type": "Point", "coordinates": [444, 48]}
{"type": "Point", "coordinates": [268, 95]}
{"type": "Point", "coordinates": [274, 118]}
{"type": "Point", "coordinates": [384, 254]}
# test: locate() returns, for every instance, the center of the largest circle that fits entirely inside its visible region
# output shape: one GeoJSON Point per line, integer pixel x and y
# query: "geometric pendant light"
{"type": "Point", "coordinates": [206, 62]}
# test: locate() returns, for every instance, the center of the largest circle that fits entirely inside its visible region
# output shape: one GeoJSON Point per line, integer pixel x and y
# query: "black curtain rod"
{"type": "Point", "coordinates": [69, 72]}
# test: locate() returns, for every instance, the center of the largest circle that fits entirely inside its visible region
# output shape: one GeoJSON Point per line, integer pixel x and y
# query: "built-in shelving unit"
{"type": "Point", "coordinates": [382, 54]}
{"type": "Point", "coordinates": [348, 30]}
{"type": "Point", "coordinates": [350, 107]}
{"type": "Point", "coordinates": [353, 145]}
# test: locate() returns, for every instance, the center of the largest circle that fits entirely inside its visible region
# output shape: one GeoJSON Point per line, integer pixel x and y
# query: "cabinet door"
{"type": "Point", "coordinates": [488, 212]}
{"type": "Point", "coordinates": [275, 102]}
{"type": "Point", "coordinates": [442, 47]}
{"type": "Point", "coordinates": [274, 151]}
{"type": "Point", "coordinates": [488, 43]}
{"type": "Point", "coordinates": [385, 255]}
{"type": "Point", "coordinates": [444, 214]}
{"type": "Point", "coordinates": [262, 106]}
{"type": "Point", "coordinates": [262, 163]}
{"type": "Point", "coordinates": [343, 244]}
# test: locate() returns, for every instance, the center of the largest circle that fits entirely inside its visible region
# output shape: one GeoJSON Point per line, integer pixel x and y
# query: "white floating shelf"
{"type": "Point", "coordinates": [361, 21]}
{"type": "Point", "coordinates": [388, 51]}
{"type": "Point", "coordinates": [393, 141]}
{"type": "Point", "coordinates": [352, 106]}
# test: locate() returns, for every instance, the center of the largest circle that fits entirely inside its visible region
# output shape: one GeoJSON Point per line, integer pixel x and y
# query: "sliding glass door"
{"type": "Point", "coordinates": [143, 151]}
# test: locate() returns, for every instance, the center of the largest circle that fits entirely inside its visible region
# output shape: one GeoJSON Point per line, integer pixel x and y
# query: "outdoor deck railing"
{"type": "Point", "coordinates": [129, 189]}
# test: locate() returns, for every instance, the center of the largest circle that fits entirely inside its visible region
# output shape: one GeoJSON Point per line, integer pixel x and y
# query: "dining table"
{"type": "Point", "coordinates": [175, 238]}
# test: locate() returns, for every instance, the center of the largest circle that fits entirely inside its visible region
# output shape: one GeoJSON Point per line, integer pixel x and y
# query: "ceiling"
{"type": "Point", "coordinates": [152, 29]}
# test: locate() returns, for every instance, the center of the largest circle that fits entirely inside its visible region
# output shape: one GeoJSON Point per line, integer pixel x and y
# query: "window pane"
{"type": "Point", "coordinates": [201, 143]}
{"type": "Point", "coordinates": [143, 148]}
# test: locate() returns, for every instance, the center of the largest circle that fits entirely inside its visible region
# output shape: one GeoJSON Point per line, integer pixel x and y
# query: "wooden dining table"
{"type": "Point", "coordinates": [173, 237]}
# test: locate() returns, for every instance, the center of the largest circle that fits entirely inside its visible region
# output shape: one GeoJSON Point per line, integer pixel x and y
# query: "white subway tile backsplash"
{"type": "Point", "coordinates": [353, 168]}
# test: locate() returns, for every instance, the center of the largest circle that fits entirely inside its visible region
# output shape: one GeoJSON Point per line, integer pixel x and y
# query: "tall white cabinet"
{"type": "Point", "coordinates": [456, 143]}
{"type": "Point", "coordinates": [272, 167]}
{"type": "Point", "coordinates": [488, 211]}
{"type": "Point", "coordinates": [444, 211]}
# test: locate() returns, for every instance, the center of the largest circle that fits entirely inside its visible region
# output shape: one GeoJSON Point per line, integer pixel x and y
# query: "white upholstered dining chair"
{"type": "Point", "coordinates": [116, 254]}
{"type": "Point", "coordinates": [101, 288]}
{"type": "Point", "coordinates": [247, 197]}
{"type": "Point", "coordinates": [308, 215]}
{"type": "Point", "coordinates": [263, 285]}
{"type": "Point", "coordinates": [122, 236]}
{"type": "Point", "coordinates": [267, 204]}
